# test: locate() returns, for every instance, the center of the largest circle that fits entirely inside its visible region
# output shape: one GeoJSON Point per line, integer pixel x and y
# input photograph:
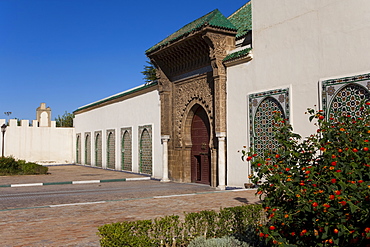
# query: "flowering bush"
{"type": "Point", "coordinates": [316, 191]}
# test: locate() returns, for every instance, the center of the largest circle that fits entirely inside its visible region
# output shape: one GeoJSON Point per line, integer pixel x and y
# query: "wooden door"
{"type": "Point", "coordinates": [200, 151]}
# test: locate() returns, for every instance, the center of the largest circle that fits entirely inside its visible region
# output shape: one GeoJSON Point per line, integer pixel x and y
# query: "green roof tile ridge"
{"type": "Point", "coordinates": [242, 19]}
{"type": "Point", "coordinates": [237, 54]}
{"type": "Point", "coordinates": [214, 19]}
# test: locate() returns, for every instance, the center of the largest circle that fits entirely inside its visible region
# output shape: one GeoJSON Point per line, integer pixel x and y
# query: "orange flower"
{"type": "Point", "coordinates": [342, 129]}
{"type": "Point", "coordinates": [303, 232]}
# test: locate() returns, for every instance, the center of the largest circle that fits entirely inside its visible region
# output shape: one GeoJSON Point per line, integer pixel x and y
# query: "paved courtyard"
{"type": "Point", "coordinates": [76, 225]}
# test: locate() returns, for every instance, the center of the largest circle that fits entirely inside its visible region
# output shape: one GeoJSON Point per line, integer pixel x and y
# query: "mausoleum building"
{"type": "Point", "coordinates": [219, 80]}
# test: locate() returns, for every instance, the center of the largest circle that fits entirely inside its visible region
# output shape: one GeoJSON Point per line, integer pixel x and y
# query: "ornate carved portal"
{"type": "Point", "coordinates": [192, 88]}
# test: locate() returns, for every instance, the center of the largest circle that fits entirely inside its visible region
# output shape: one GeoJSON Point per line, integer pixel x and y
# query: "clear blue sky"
{"type": "Point", "coordinates": [68, 53]}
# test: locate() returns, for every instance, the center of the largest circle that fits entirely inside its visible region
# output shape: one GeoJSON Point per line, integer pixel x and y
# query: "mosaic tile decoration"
{"type": "Point", "coordinates": [145, 149]}
{"type": "Point", "coordinates": [87, 148]}
{"type": "Point", "coordinates": [343, 95]}
{"type": "Point", "coordinates": [111, 149]}
{"type": "Point", "coordinates": [78, 148]}
{"type": "Point", "coordinates": [98, 148]}
{"type": "Point", "coordinates": [126, 149]}
{"type": "Point", "coordinates": [261, 108]}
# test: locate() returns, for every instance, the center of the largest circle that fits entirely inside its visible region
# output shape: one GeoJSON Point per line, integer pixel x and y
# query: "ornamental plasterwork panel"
{"type": "Point", "coordinates": [196, 90]}
{"type": "Point", "coordinates": [218, 45]}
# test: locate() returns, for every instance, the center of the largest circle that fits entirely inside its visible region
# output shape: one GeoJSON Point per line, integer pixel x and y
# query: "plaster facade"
{"type": "Point", "coordinates": [117, 124]}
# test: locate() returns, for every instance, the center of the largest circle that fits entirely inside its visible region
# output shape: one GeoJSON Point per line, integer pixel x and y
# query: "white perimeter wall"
{"type": "Point", "coordinates": [133, 112]}
{"type": "Point", "coordinates": [295, 45]}
{"type": "Point", "coordinates": [44, 145]}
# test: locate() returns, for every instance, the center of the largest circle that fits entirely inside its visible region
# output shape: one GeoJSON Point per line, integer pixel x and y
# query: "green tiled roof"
{"type": "Point", "coordinates": [237, 54]}
{"type": "Point", "coordinates": [242, 19]}
{"type": "Point", "coordinates": [213, 19]}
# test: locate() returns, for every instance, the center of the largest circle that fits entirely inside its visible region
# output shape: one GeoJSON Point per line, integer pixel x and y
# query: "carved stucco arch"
{"type": "Point", "coordinates": [194, 91]}
{"type": "Point", "coordinates": [191, 108]}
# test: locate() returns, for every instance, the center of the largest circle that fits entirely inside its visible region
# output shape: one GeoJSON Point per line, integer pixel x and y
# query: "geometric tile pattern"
{"type": "Point", "coordinates": [126, 149]}
{"type": "Point", "coordinates": [261, 114]}
{"type": "Point", "coordinates": [78, 148]}
{"type": "Point", "coordinates": [111, 149]}
{"type": "Point", "coordinates": [87, 148]}
{"type": "Point", "coordinates": [343, 96]}
{"type": "Point", "coordinates": [98, 148]}
{"type": "Point", "coordinates": [145, 149]}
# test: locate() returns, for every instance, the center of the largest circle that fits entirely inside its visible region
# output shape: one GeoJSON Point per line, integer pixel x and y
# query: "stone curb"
{"type": "Point", "coordinates": [76, 182]}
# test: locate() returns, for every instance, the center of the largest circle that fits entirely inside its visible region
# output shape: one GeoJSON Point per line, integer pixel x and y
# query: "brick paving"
{"type": "Point", "coordinates": [66, 173]}
{"type": "Point", "coordinates": [77, 225]}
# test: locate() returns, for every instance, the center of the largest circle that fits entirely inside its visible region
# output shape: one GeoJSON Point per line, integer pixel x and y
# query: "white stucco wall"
{"type": "Point", "coordinates": [295, 45]}
{"type": "Point", "coordinates": [134, 112]}
{"type": "Point", "coordinates": [44, 145]}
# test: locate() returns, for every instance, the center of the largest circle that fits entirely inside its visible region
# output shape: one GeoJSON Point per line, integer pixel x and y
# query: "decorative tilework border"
{"type": "Point", "coordinates": [332, 86]}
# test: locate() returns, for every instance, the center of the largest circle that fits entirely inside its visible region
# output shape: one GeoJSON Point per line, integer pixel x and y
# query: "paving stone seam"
{"type": "Point", "coordinates": [76, 182]}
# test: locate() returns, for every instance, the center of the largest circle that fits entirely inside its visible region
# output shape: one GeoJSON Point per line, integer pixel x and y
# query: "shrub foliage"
{"type": "Point", "coordinates": [316, 191]}
{"type": "Point", "coordinates": [171, 231]}
{"type": "Point", "coordinates": [11, 166]}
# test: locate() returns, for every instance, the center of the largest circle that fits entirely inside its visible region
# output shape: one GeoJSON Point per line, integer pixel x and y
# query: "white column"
{"type": "Point", "coordinates": [221, 160]}
{"type": "Point", "coordinates": [165, 139]}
